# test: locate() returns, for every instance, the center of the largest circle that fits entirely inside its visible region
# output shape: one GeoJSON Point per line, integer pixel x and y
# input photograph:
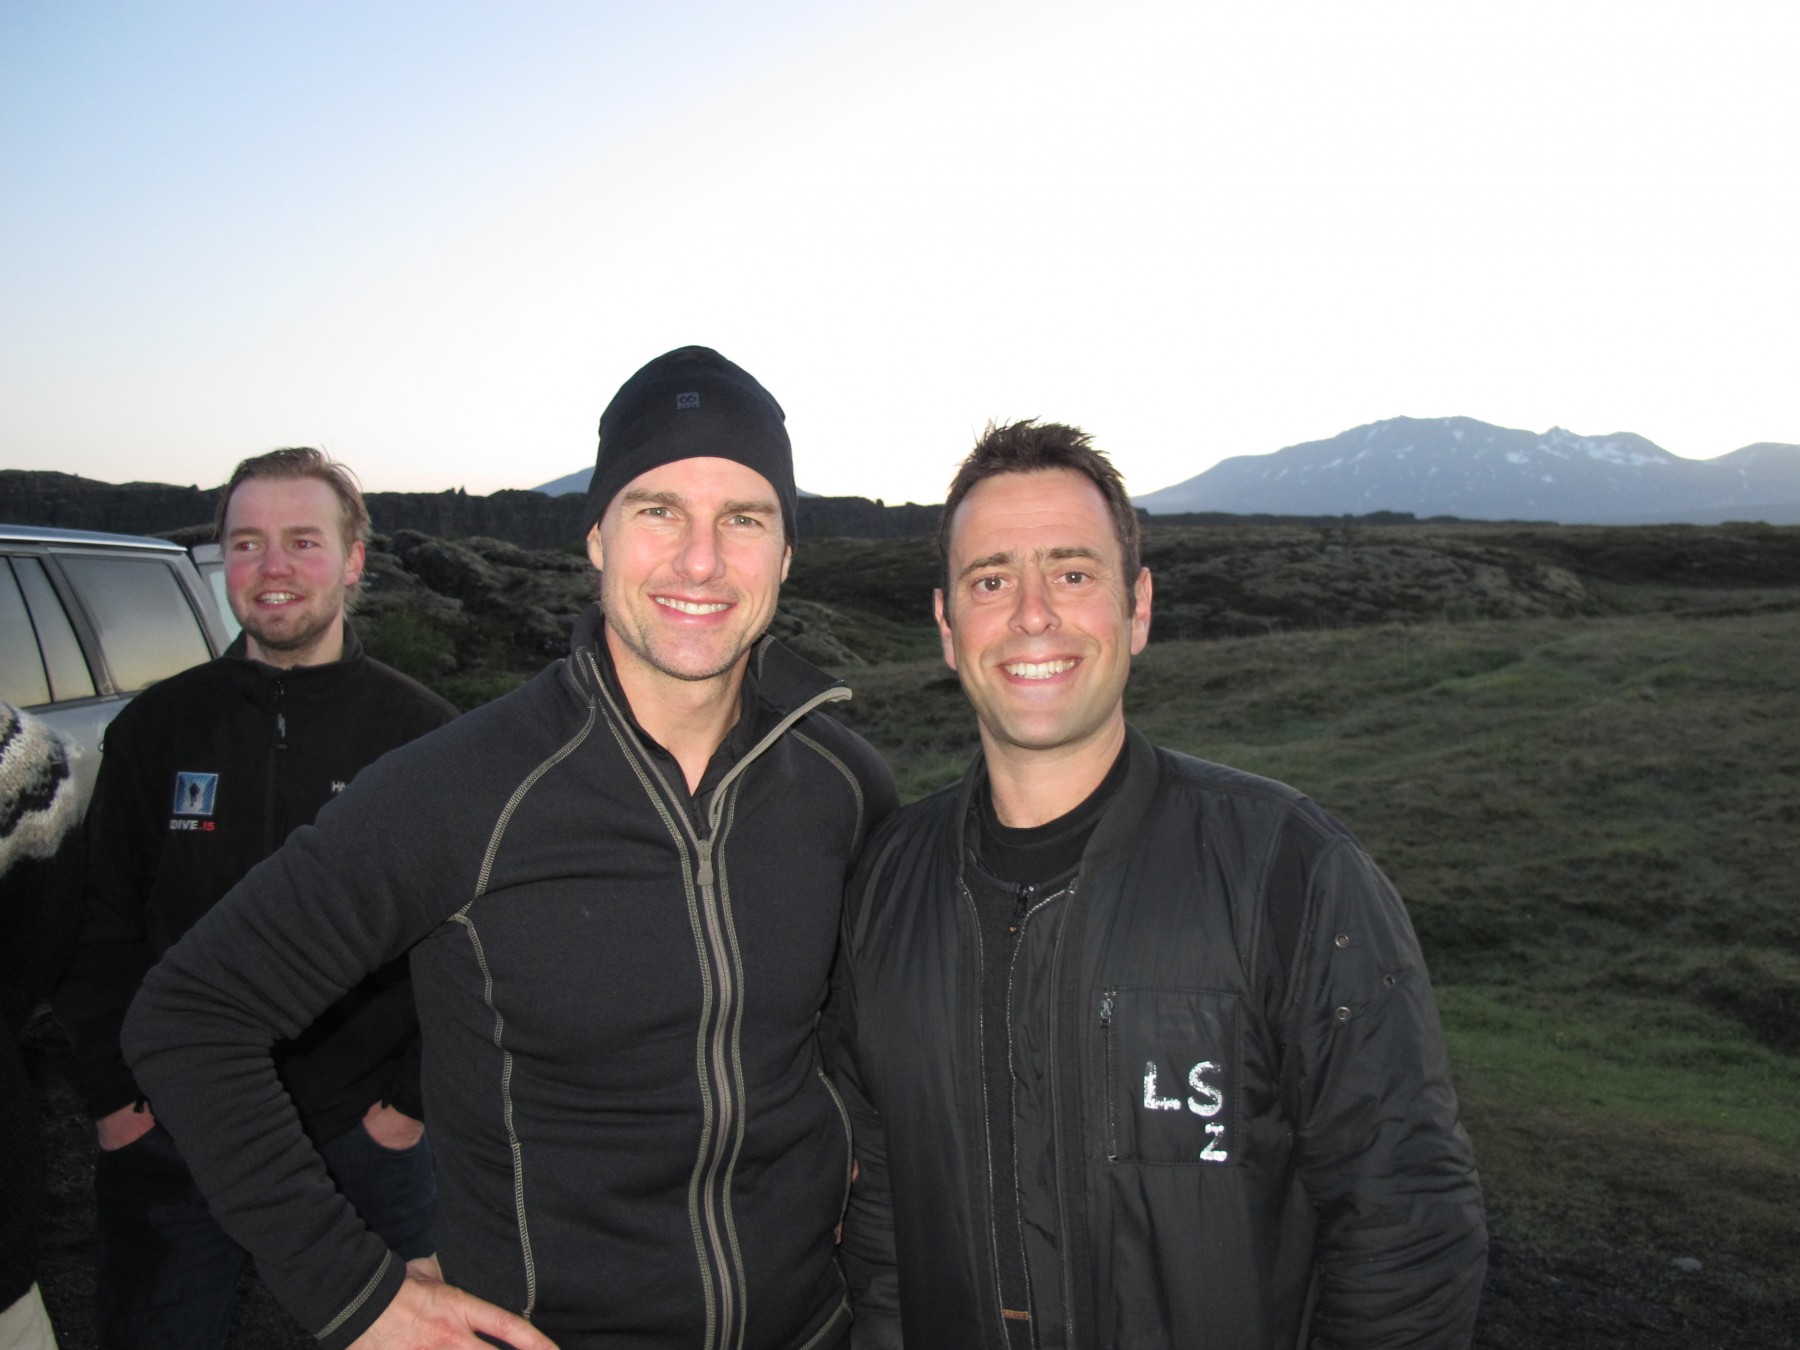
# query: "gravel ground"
{"type": "Point", "coordinates": [1614, 1301]}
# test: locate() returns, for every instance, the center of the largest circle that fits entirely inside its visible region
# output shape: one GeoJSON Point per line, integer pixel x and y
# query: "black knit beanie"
{"type": "Point", "coordinates": [686, 404]}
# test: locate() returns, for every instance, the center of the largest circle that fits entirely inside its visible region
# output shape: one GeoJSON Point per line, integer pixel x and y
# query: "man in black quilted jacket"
{"type": "Point", "coordinates": [1140, 1049]}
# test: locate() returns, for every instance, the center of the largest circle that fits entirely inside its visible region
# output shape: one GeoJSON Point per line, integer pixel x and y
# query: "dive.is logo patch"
{"type": "Point", "coordinates": [195, 796]}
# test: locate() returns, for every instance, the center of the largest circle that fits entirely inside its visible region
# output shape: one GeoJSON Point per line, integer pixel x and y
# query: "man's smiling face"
{"type": "Point", "coordinates": [288, 570]}
{"type": "Point", "coordinates": [692, 557]}
{"type": "Point", "coordinates": [1040, 623]}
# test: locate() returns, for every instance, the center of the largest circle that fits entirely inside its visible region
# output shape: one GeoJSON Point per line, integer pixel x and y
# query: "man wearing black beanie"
{"type": "Point", "coordinates": [620, 888]}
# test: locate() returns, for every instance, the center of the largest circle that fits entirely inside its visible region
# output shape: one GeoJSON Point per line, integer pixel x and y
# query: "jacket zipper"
{"type": "Point", "coordinates": [987, 1136]}
{"type": "Point", "coordinates": [276, 752]}
{"type": "Point", "coordinates": [1106, 1073]}
{"type": "Point", "coordinates": [1023, 910]}
{"type": "Point", "coordinates": [721, 1262]}
{"type": "Point", "coordinates": [1068, 1174]}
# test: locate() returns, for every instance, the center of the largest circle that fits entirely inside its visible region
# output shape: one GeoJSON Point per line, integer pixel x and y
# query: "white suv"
{"type": "Point", "coordinates": [87, 620]}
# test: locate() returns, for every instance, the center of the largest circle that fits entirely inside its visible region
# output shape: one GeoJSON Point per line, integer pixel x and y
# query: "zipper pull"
{"type": "Point", "coordinates": [703, 875]}
{"type": "Point", "coordinates": [280, 717]}
{"type": "Point", "coordinates": [1106, 1008]}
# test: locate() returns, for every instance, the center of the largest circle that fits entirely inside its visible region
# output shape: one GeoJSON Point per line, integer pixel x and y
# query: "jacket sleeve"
{"type": "Point", "coordinates": [867, 1252]}
{"type": "Point", "coordinates": [1402, 1239]}
{"type": "Point", "coordinates": [113, 951]}
{"type": "Point", "coordinates": [372, 876]}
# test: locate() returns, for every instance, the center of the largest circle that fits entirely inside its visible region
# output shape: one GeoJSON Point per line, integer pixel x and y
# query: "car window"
{"type": "Point", "coordinates": [215, 577]}
{"type": "Point", "coordinates": [63, 659]}
{"type": "Point", "coordinates": [22, 680]}
{"type": "Point", "coordinates": [146, 626]}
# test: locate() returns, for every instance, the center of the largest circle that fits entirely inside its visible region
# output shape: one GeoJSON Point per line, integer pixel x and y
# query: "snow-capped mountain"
{"type": "Point", "coordinates": [1456, 466]}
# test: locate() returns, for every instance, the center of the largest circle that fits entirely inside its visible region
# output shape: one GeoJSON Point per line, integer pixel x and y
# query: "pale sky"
{"type": "Point", "coordinates": [433, 236]}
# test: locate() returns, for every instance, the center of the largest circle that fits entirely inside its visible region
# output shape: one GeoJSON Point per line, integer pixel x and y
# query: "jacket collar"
{"type": "Point", "coordinates": [296, 679]}
{"type": "Point", "coordinates": [1116, 832]}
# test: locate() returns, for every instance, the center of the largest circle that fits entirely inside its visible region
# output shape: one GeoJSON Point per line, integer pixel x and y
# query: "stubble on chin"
{"type": "Point", "coordinates": [646, 652]}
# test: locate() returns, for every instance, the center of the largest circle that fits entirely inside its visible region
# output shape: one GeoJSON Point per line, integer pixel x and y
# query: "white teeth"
{"type": "Point", "coordinates": [1038, 670]}
{"type": "Point", "coordinates": [277, 597]}
{"type": "Point", "coordinates": [690, 607]}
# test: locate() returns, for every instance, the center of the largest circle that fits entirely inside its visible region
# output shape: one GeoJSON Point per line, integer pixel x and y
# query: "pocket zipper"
{"type": "Point", "coordinates": [1106, 1074]}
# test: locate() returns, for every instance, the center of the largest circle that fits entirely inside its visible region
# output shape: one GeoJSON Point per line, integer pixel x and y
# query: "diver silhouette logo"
{"type": "Point", "coordinates": [195, 793]}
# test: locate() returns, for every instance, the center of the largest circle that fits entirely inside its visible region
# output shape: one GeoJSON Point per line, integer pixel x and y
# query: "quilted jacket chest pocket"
{"type": "Point", "coordinates": [1170, 1063]}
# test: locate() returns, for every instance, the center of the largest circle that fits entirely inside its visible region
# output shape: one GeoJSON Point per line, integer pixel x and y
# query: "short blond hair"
{"type": "Point", "coordinates": [302, 461]}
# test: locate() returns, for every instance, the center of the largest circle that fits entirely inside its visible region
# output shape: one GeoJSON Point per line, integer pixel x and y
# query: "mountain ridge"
{"type": "Point", "coordinates": [1474, 470]}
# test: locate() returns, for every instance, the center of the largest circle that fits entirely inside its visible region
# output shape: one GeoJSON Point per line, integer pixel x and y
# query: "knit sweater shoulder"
{"type": "Point", "coordinates": [39, 861]}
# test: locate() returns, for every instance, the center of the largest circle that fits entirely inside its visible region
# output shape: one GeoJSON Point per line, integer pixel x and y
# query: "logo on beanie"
{"type": "Point", "coordinates": [687, 400]}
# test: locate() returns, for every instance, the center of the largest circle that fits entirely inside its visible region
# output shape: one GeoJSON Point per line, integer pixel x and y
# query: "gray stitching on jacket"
{"type": "Point", "coordinates": [703, 1079]}
{"type": "Point", "coordinates": [850, 778]}
{"type": "Point", "coordinates": [506, 1107]}
{"type": "Point", "coordinates": [718, 1050]}
{"type": "Point", "coordinates": [512, 804]}
{"type": "Point", "coordinates": [487, 976]}
{"type": "Point", "coordinates": [735, 1041]}
{"type": "Point", "coordinates": [832, 1323]}
{"type": "Point", "coordinates": [362, 1297]}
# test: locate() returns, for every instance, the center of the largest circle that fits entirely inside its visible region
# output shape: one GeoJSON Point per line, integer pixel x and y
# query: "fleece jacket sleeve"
{"type": "Point", "coordinates": [377, 872]}
{"type": "Point", "coordinates": [123, 834]}
{"type": "Point", "coordinates": [1402, 1239]}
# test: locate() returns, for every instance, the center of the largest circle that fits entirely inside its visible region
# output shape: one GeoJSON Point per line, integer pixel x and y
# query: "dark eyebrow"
{"type": "Point", "coordinates": [752, 508]}
{"type": "Point", "coordinates": [638, 496]}
{"type": "Point", "coordinates": [238, 531]}
{"type": "Point", "coordinates": [1065, 553]}
{"type": "Point", "coordinates": [992, 560]}
{"type": "Point", "coordinates": [762, 507]}
{"type": "Point", "coordinates": [1068, 553]}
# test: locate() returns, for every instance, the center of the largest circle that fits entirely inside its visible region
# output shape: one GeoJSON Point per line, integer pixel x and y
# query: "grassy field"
{"type": "Point", "coordinates": [1575, 749]}
{"type": "Point", "coordinates": [1594, 822]}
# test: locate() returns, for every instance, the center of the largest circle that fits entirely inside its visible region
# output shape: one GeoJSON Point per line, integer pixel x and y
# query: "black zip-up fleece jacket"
{"type": "Point", "coordinates": [204, 775]}
{"type": "Point", "coordinates": [1235, 1123]}
{"type": "Point", "coordinates": [636, 1143]}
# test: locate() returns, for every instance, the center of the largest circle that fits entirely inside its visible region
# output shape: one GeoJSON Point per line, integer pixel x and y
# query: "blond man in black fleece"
{"type": "Point", "coordinates": [204, 775]}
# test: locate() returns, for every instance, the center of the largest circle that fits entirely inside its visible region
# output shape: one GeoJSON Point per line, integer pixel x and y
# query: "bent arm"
{"type": "Point", "coordinates": [1402, 1242]}
{"type": "Point", "coordinates": [340, 899]}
